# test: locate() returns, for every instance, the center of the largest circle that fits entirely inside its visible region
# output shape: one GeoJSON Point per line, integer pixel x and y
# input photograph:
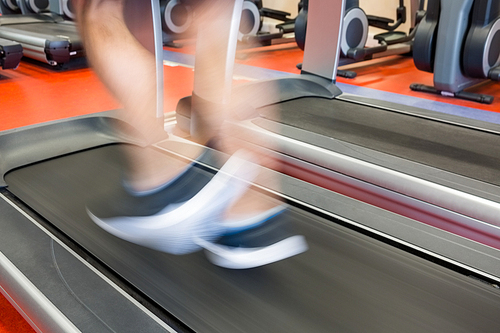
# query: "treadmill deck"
{"type": "Point", "coordinates": [345, 282]}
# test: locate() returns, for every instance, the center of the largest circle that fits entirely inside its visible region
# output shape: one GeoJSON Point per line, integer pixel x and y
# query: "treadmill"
{"type": "Point", "coordinates": [10, 54]}
{"type": "Point", "coordinates": [45, 37]}
{"type": "Point", "coordinates": [65, 274]}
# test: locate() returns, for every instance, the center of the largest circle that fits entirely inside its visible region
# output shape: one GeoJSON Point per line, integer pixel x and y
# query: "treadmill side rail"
{"type": "Point", "coordinates": [55, 289]}
{"type": "Point", "coordinates": [43, 141]}
{"type": "Point", "coordinates": [36, 309]}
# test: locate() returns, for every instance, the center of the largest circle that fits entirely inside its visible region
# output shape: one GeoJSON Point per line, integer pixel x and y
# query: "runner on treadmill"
{"type": "Point", "coordinates": [173, 208]}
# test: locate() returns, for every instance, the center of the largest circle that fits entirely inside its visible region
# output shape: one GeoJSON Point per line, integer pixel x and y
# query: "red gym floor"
{"type": "Point", "coordinates": [36, 93]}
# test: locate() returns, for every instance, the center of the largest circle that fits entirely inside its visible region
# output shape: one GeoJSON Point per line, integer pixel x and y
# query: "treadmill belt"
{"type": "Point", "coordinates": [346, 282]}
{"type": "Point", "coordinates": [471, 153]}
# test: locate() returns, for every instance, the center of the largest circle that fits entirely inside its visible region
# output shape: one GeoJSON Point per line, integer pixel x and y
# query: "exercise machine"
{"type": "Point", "coordinates": [9, 7]}
{"type": "Point", "coordinates": [367, 268]}
{"type": "Point", "coordinates": [10, 54]}
{"type": "Point", "coordinates": [458, 42]}
{"type": "Point", "coordinates": [176, 18]}
{"type": "Point", "coordinates": [33, 7]}
{"type": "Point", "coordinates": [44, 36]}
{"type": "Point", "coordinates": [66, 9]}
{"type": "Point", "coordinates": [252, 20]}
{"type": "Point", "coordinates": [62, 8]}
{"type": "Point", "coordinates": [355, 33]}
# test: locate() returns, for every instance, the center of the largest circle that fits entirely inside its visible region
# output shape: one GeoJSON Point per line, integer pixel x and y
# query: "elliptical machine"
{"type": "Point", "coordinates": [176, 21]}
{"type": "Point", "coordinates": [459, 41]}
{"type": "Point", "coordinates": [354, 34]}
{"type": "Point", "coordinates": [59, 7]}
{"type": "Point", "coordinates": [252, 18]}
{"type": "Point", "coordinates": [66, 9]}
{"type": "Point", "coordinates": [8, 7]}
{"type": "Point", "coordinates": [33, 7]}
{"type": "Point", "coordinates": [63, 8]}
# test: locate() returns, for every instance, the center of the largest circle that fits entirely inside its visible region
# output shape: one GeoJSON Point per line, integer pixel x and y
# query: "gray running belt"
{"type": "Point", "coordinates": [346, 282]}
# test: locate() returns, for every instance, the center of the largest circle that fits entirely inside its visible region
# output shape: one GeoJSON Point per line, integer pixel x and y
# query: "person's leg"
{"type": "Point", "coordinates": [128, 70]}
{"type": "Point", "coordinates": [162, 205]}
{"type": "Point", "coordinates": [257, 227]}
{"type": "Point", "coordinates": [213, 98]}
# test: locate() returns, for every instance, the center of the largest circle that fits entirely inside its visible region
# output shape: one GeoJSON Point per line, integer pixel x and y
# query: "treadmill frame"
{"type": "Point", "coordinates": [54, 50]}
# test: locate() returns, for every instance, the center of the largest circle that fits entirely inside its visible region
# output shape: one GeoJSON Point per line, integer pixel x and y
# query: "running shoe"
{"type": "Point", "coordinates": [171, 224]}
{"type": "Point", "coordinates": [257, 243]}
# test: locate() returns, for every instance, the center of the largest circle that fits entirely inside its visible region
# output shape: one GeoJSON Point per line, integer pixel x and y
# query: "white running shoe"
{"type": "Point", "coordinates": [175, 228]}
